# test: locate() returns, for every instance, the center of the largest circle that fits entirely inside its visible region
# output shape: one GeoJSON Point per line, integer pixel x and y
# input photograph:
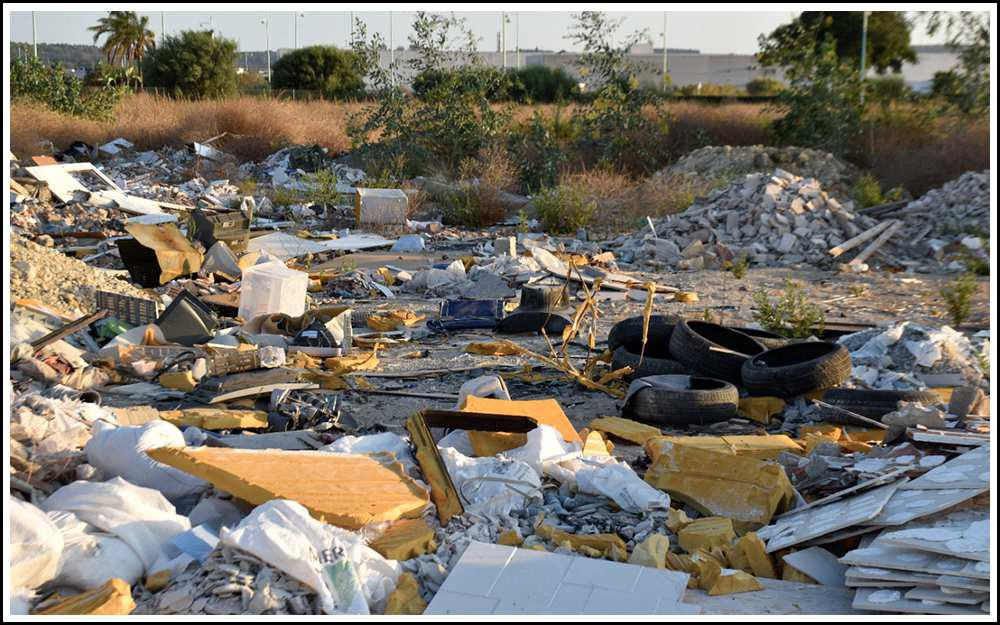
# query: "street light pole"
{"type": "Point", "coordinates": [34, 35]}
{"type": "Point", "coordinates": [664, 81]}
{"type": "Point", "coordinates": [267, 46]}
{"type": "Point", "coordinates": [517, 40]}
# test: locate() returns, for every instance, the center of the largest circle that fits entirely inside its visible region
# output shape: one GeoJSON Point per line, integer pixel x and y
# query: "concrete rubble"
{"type": "Point", "coordinates": [339, 407]}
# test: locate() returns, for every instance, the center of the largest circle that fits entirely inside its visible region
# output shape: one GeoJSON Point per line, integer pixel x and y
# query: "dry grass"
{"type": "Point", "coordinates": [902, 150]}
{"type": "Point", "coordinates": [260, 126]}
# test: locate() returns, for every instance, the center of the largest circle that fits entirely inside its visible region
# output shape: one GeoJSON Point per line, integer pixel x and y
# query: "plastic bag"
{"type": "Point", "coordinates": [281, 533]}
{"type": "Point", "coordinates": [491, 486]}
{"type": "Point", "coordinates": [119, 452]}
{"type": "Point", "coordinates": [35, 546]}
{"type": "Point", "coordinates": [373, 443]}
{"type": "Point", "coordinates": [141, 517]}
{"type": "Point", "coordinates": [90, 557]}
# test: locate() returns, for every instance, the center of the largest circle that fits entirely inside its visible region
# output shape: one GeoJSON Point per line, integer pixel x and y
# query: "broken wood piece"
{"type": "Point", "coordinates": [443, 491]}
{"type": "Point", "coordinates": [850, 244]}
{"type": "Point", "coordinates": [69, 329]}
{"type": "Point", "coordinates": [877, 243]}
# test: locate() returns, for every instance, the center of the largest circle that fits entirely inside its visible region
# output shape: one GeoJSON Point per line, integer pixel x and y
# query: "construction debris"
{"type": "Point", "coordinates": [232, 398]}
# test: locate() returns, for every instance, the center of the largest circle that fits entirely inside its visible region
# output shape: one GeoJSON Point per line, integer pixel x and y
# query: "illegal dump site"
{"type": "Point", "coordinates": [772, 401]}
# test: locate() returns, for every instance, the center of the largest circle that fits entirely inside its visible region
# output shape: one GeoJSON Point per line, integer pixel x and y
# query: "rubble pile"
{"type": "Point", "coordinates": [777, 219]}
{"type": "Point", "coordinates": [231, 582]}
{"type": "Point", "coordinates": [732, 162]}
{"type": "Point", "coordinates": [961, 206]}
{"type": "Point", "coordinates": [269, 413]}
{"type": "Point", "coordinates": [53, 278]}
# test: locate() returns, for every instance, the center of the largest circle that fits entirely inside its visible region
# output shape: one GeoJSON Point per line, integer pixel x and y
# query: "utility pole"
{"type": "Point", "coordinates": [295, 22]}
{"type": "Point", "coordinates": [163, 27]}
{"type": "Point", "coordinates": [350, 29]}
{"type": "Point", "coordinates": [503, 38]}
{"type": "Point", "coordinates": [392, 54]}
{"type": "Point", "coordinates": [267, 46]}
{"type": "Point", "coordinates": [664, 80]}
{"type": "Point", "coordinates": [864, 49]}
{"type": "Point", "coordinates": [34, 35]}
{"type": "Point", "coordinates": [517, 40]}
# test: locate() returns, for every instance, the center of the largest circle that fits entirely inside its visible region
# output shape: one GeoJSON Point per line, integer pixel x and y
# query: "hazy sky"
{"type": "Point", "coordinates": [712, 32]}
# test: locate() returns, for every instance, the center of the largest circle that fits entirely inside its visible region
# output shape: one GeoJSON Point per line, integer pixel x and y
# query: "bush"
{"type": "Point", "coordinates": [500, 85]}
{"type": "Point", "coordinates": [564, 209]}
{"type": "Point", "coordinates": [332, 72]}
{"type": "Point", "coordinates": [868, 192]}
{"type": "Point", "coordinates": [958, 298]}
{"type": "Point", "coordinates": [710, 89]}
{"type": "Point", "coordinates": [57, 89]}
{"type": "Point", "coordinates": [453, 120]}
{"type": "Point", "coordinates": [478, 203]}
{"type": "Point", "coordinates": [792, 316]}
{"type": "Point", "coordinates": [194, 64]}
{"type": "Point", "coordinates": [764, 87]}
{"type": "Point", "coordinates": [545, 84]}
{"type": "Point", "coordinates": [887, 89]}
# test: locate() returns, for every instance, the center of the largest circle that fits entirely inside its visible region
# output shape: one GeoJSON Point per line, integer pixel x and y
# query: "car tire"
{"type": "Point", "coordinates": [797, 369]}
{"type": "Point", "coordinates": [712, 350]}
{"type": "Point", "coordinates": [649, 365]}
{"type": "Point", "coordinates": [682, 400]}
{"type": "Point", "coordinates": [875, 404]}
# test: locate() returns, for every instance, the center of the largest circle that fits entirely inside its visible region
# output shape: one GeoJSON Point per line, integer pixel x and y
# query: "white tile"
{"type": "Point", "coordinates": [669, 586]}
{"type": "Point", "coordinates": [569, 599]}
{"type": "Point", "coordinates": [603, 574]}
{"type": "Point", "coordinates": [481, 565]}
{"type": "Point", "coordinates": [604, 601]}
{"type": "Point", "coordinates": [531, 576]}
{"type": "Point", "coordinates": [667, 607]}
{"type": "Point", "coordinates": [458, 603]}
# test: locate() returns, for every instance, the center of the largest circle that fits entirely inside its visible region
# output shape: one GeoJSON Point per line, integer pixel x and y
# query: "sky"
{"type": "Point", "coordinates": [710, 32]}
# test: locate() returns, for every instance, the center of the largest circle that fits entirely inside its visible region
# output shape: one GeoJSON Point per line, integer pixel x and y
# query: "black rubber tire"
{"type": "Point", "coordinates": [770, 340]}
{"type": "Point", "coordinates": [797, 369]}
{"type": "Point", "coordinates": [623, 357]}
{"type": "Point", "coordinates": [710, 402]}
{"type": "Point", "coordinates": [875, 404]}
{"type": "Point", "coordinates": [629, 333]}
{"type": "Point", "coordinates": [692, 344]}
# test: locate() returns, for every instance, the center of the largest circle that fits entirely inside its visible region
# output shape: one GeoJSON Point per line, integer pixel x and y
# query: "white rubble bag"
{"type": "Point", "coordinates": [282, 534]}
{"type": "Point", "coordinates": [91, 557]}
{"type": "Point", "coordinates": [120, 452]}
{"type": "Point", "coordinates": [615, 480]}
{"type": "Point", "coordinates": [141, 517]}
{"type": "Point", "coordinates": [492, 486]}
{"type": "Point", "coordinates": [35, 547]}
{"type": "Point", "coordinates": [373, 443]}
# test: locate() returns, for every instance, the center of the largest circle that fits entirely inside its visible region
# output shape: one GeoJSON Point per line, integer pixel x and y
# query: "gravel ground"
{"type": "Point", "coordinates": [55, 279]}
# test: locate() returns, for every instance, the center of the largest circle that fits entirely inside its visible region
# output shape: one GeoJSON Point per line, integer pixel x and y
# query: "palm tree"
{"type": "Point", "coordinates": [128, 37]}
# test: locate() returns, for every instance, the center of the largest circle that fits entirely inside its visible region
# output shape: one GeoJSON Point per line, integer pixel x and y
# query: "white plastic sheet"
{"type": "Point", "coordinates": [91, 557]}
{"type": "Point", "coordinates": [491, 486]}
{"type": "Point", "coordinates": [120, 451]}
{"type": "Point", "coordinates": [141, 517]}
{"type": "Point", "coordinates": [282, 533]}
{"type": "Point", "coordinates": [35, 546]}
{"type": "Point", "coordinates": [373, 443]}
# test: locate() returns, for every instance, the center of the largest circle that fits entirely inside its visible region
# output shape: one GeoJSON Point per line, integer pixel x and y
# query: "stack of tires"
{"type": "Point", "coordinates": [692, 372]}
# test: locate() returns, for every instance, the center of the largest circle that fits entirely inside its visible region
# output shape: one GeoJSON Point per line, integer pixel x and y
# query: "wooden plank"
{"type": "Point", "coordinates": [877, 243]}
{"type": "Point", "coordinates": [443, 491]}
{"type": "Point", "coordinates": [850, 244]}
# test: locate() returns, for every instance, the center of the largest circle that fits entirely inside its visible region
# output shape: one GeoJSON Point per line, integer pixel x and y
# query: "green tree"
{"type": "Point", "coordinates": [325, 69]}
{"type": "Point", "coordinates": [454, 120]}
{"type": "Point", "coordinates": [127, 37]}
{"type": "Point", "coordinates": [888, 36]}
{"type": "Point", "coordinates": [194, 64]}
{"type": "Point", "coordinates": [546, 84]}
{"type": "Point", "coordinates": [822, 103]}
{"type": "Point", "coordinates": [968, 86]}
{"type": "Point", "coordinates": [613, 124]}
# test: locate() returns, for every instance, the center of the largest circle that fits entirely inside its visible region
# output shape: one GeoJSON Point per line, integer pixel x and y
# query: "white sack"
{"type": "Point", "coordinates": [35, 546]}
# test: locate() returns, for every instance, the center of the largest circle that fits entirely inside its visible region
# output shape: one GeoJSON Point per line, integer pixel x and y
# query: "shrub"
{"type": "Point", "coordinates": [792, 315]}
{"type": "Point", "coordinates": [57, 89]}
{"type": "Point", "coordinates": [888, 89]}
{"type": "Point", "coordinates": [564, 209]}
{"type": "Point", "coordinates": [325, 69]}
{"type": "Point", "coordinates": [500, 85]}
{"type": "Point", "coordinates": [194, 64]}
{"type": "Point", "coordinates": [478, 201]}
{"type": "Point", "coordinates": [764, 86]}
{"type": "Point", "coordinates": [710, 89]}
{"type": "Point", "coordinates": [958, 298]}
{"type": "Point", "coordinates": [545, 84]}
{"type": "Point", "coordinates": [452, 122]}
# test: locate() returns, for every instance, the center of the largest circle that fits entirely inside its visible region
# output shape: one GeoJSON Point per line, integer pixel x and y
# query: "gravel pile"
{"type": "Point", "coordinates": [961, 206]}
{"type": "Point", "coordinates": [230, 582]}
{"type": "Point", "coordinates": [731, 162]}
{"type": "Point", "coordinates": [55, 279]}
{"type": "Point", "coordinates": [777, 219]}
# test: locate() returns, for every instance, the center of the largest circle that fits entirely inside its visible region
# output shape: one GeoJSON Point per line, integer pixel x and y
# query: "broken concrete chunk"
{"type": "Point", "coordinates": [625, 429]}
{"type": "Point", "coordinates": [651, 552]}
